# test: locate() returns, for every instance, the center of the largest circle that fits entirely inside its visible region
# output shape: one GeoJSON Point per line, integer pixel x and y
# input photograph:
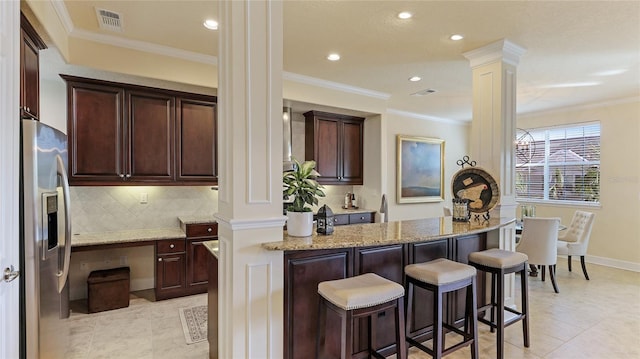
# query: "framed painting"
{"type": "Point", "coordinates": [420, 169]}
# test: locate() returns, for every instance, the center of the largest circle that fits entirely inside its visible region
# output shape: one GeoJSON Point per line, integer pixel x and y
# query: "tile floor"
{"type": "Point", "coordinates": [599, 318]}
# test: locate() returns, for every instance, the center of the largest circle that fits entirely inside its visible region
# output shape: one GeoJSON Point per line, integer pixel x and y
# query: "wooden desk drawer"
{"type": "Point", "coordinates": [360, 218]}
{"type": "Point", "coordinates": [202, 230]}
{"type": "Point", "coordinates": [170, 246]}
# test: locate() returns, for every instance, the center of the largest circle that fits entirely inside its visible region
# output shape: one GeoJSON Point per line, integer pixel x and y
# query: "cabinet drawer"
{"type": "Point", "coordinates": [360, 218]}
{"type": "Point", "coordinates": [202, 230]}
{"type": "Point", "coordinates": [170, 246]}
{"type": "Point", "coordinates": [340, 219]}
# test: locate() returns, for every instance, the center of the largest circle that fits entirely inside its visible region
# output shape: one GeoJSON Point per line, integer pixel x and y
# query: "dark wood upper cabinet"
{"type": "Point", "coordinates": [335, 142]}
{"type": "Point", "coordinates": [196, 140]}
{"type": "Point", "coordinates": [124, 134]}
{"type": "Point", "coordinates": [150, 129]}
{"type": "Point", "coordinates": [30, 45]}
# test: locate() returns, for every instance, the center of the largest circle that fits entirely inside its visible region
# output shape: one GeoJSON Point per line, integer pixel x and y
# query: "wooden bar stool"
{"type": "Point", "coordinates": [442, 276]}
{"type": "Point", "coordinates": [360, 296]}
{"type": "Point", "coordinates": [499, 263]}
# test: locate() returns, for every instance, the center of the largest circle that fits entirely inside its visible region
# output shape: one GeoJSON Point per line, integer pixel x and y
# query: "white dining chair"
{"type": "Point", "coordinates": [575, 240]}
{"type": "Point", "coordinates": [539, 242]}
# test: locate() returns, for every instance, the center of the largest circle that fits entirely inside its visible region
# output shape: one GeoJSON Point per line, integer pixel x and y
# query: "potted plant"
{"type": "Point", "coordinates": [301, 184]}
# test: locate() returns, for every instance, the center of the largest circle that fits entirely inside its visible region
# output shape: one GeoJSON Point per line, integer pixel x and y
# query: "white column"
{"type": "Point", "coordinates": [493, 129]}
{"type": "Point", "coordinates": [250, 179]}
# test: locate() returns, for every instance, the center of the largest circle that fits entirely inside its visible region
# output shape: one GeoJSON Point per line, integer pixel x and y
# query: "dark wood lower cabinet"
{"type": "Point", "coordinates": [305, 269]}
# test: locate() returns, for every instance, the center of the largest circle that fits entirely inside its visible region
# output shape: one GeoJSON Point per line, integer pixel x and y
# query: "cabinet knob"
{"type": "Point", "coordinates": [121, 175]}
{"type": "Point", "coordinates": [209, 230]}
{"type": "Point", "coordinates": [128, 175]}
{"type": "Point", "coordinates": [28, 109]}
{"type": "Point", "coordinates": [362, 217]}
{"type": "Point", "coordinates": [159, 259]}
{"type": "Point", "coordinates": [171, 246]}
{"type": "Point", "coordinates": [335, 220]}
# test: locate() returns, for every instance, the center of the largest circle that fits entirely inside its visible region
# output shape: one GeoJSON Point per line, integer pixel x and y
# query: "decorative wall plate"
{"type": "Point", "coordinates": [476, 185]}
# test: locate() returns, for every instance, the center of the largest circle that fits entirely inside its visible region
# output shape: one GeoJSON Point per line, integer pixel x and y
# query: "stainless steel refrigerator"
{"type": "Point", "coordinates": [45, 242]}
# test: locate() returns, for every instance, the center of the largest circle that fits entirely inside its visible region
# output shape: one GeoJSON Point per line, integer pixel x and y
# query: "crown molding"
{"type": "Point", "coordinates": [420, 116]}
{"type": "Point", "coordinates": [590, 106]}
{"type": "Point", "coordinates": [504, 50]}
{"type": "Point", "coordinates": [308, 80]}
{"type": "Point", "coordinates": [61, 10]}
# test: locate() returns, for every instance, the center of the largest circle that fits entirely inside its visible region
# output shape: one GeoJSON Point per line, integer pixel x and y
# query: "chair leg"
{"type": "Point", "coordinates": [553, 278]}
{"type": "Point", "coordinates": [473, 317]}
{"type": "Point", "coordinates": [569, 262]}
{"type": "Point", "coordinates": [524, 290]}
{"type": "Point", "coordinates": [584, 268]}
{"type": "Point", "coordinates": [500, 317]}
{"type": "Point", "coordinates": [437, 326]}
{"type": "Point", "coordinates": [401, 338]}
{"type": "Point", "coordinates": [347, 335]}
{"type": "Point", "coordinates": [321, 332]}
{"type": "Point", "coordinates": [543, 272]}
{"type": "Point", "coordinates": [492, 311]}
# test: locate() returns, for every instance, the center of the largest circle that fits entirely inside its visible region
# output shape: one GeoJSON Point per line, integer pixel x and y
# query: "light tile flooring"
{"type": "Point", "coordinates": [599, 318]}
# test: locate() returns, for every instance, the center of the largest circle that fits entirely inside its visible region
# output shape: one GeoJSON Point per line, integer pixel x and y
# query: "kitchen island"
{"type": "Point", "coordinates": [381, 248]}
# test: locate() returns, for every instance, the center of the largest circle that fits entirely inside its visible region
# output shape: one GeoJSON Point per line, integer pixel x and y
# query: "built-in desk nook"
{"type": "Point", "coordinates": [381, 248]}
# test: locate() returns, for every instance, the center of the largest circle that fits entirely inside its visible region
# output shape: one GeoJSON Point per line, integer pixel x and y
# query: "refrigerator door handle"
{"type": "Point", "coordinates": [64, 273]}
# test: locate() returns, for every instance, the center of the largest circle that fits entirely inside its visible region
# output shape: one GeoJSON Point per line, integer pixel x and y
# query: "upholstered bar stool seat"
{"type": "Point", "coordinates": [360, 296]}
{"type": "Point", "coordinates": [441, 276]}
{"type": "Point", "coordinates": [499, 263]}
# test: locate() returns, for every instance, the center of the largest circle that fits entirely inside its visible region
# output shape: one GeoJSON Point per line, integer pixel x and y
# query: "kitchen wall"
{"type": "Point", "coordinates": [614, 238]}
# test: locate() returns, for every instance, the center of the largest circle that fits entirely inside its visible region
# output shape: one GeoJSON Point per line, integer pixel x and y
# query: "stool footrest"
{"type": "Point", "coordinates": [467, 341]}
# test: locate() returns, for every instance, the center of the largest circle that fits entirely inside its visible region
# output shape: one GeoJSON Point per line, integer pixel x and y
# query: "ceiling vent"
{"type": "Point", "coordinates": [423, 92]}
{"type": "Point", "coordinates": [109, 20]}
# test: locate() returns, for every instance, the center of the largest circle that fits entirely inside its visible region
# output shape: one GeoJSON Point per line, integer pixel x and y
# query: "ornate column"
{"type": "Point", "coordinates": [250, 180]}
{"type": "Point", "coordinates": [493, 129]}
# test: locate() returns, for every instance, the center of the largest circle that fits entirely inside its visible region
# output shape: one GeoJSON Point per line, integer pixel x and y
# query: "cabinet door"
{"type": "Point", "coordinates": [95, 129]}
{"type": "Point", "coordinates": [302, 272]}
{"type": "Point", "coordinates": [170, 279]}
{"type": "Point", "coordinates": [30, 45]}
{"type": "Point", "coordinates": [151, 136]}
{"type": "Point", "coordinates": [351, 154]}
{"type": "Point", "coordinates": [197, 274]}
{"type": "Point", "coordinates": [327, 153]}
{"type": "Point", "coordinates": [387, 262]}
{"type": "Point", "coordinates": [463, 246]}
{"type": "Point", "coordinates": [422, 320]}
{"type": "Point", "coordinates": [197, 141]}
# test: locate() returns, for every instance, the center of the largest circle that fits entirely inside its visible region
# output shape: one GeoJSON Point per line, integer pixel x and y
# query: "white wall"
{"type": "Point", "coordinates": [615, 238]}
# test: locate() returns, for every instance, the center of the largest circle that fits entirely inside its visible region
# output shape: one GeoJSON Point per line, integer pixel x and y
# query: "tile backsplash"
{"type": "Point", "coordinates": [117, 208]}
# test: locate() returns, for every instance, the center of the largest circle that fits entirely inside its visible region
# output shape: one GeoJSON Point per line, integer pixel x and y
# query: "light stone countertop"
{"type": "Point", "coordinates": [138, 235]}
{"type": "Point", "coordinates": [129, 236]}
{"type": "Point", "coordinates": [379, 234]}
{"type": "Point", "coordinates": [213, 247]}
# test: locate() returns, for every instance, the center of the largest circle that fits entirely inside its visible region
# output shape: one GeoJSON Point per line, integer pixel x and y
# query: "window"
{"type": "Point", "coordinates": [559, 164]}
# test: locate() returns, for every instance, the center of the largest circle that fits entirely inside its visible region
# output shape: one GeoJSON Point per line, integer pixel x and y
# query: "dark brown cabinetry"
{"type": "Point", "coordinates": [181, 264]}
{"type": "Point", "coordinates": [353, 218]}
{"type": "Point", "coordinates": [197, 140]}
{"type": "Point", "coordinates": [170, 266]}
{"type": "Point", "coordinates": [335, 142]}
{"type": "Point", "coordinates": [197, 254]}
{"type": "Point", "coordinates": [125, 134]}
{"type": "Point", "coordinates": [30, 45]}
{"type": "Point", "coordinates": [305, 269]}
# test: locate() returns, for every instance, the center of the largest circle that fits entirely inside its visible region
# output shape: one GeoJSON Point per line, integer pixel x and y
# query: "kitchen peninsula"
{"type": "Point", "coordinates": [381, 248]}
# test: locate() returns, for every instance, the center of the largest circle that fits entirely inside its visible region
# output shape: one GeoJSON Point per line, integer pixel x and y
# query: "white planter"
{"type": "Point", "coordinates": [299, 224]}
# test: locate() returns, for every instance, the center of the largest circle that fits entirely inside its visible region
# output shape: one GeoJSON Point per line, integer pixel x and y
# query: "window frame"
{"type": "Point", "coordinates": [547, 166]}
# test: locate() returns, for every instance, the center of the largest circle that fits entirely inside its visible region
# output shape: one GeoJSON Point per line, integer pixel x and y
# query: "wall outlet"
{"type": "Point", "coordinates": [123, 260]}
{"type": "Point", "coordinates": [144, 198]}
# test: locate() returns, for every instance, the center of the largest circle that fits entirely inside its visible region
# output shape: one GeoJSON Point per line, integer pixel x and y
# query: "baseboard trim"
{"type": "Point", "coordinates": [607, 262]}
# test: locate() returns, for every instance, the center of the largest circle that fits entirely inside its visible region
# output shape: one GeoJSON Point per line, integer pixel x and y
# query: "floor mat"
{"type": "Point", "coordinates": [194, 323]}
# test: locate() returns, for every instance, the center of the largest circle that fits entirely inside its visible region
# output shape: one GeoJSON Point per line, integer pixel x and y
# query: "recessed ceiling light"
{"type": "Point", "coordinates": [333, 57]}
{"type": "Point", "coordinates": [211, 24]}
{"type": "Point", "coordinates": [405, 15]}
{"type": "Point", "coordinates": [456, 37]}
{"type": "Point", "coordinates": [424, 92]}
{"type": "Point", "coordinates": [415, 78]}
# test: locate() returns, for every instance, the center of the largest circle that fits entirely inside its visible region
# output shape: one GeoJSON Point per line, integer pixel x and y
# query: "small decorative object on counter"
{"type": "Point", "coordinates": [354, 203]}
{"type": "Point", "coordinates": [347, 201]}
{"type": "Point", "coordinates": [461, 211]}
{"type": "Point", "coordinates": [324, 221]}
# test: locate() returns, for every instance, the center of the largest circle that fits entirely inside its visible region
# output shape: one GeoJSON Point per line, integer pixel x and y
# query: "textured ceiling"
{"type": "Point", "coordinates": [567, 42]}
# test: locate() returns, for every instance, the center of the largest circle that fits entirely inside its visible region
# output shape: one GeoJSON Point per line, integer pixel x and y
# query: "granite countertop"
{"type": "Point", "coordinates": [376, 234]}
{"type": "Point", "coordinates": [213, 247]}
{"type": "Point", "coordinates": [138, 235]}
{"type": "Point", "coordinates": [129, 236]}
